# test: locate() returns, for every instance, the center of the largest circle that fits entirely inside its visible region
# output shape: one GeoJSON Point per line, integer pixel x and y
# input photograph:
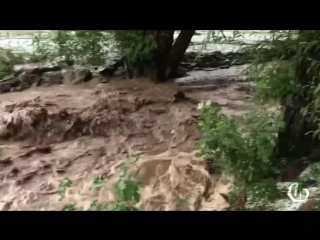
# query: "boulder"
{"type": "Point", "coordinates": [29, 78]}
{"type": "Point", "coordinates": [52, 78]}
{"type": "Point", "coordinates": [20, 88]}
{"type": "Point", "coordinates": [25, 67]}
{"type": "Point", "coordinates": [5, 87]}
{"type": "Point", "coordinates": [15, 82]}
{"type": "Point", "coordinates": [9, 83]}
{"type": "Point", "coordinates": [50, 69]}
{"type": "Point", "coordinates": [77, 77]}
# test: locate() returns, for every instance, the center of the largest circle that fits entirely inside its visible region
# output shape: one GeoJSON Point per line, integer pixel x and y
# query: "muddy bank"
{"type": "Point", "coordinates": [32, 75]}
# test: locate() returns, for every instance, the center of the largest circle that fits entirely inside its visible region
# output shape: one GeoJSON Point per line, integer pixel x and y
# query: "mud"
{"type": "Point", "coordinates": [84, 131]}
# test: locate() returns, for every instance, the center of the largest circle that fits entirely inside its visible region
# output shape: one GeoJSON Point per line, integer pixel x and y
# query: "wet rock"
{"type": "Point", "coordinates": [21, 87]}
{"type": "Point", "coordinates": [25, 67]}
{"type": "Point", "coordinates": [15, 82]}
{"type": "Point", "coordinates": [29, 78]}
{"type": "Point", "coordinates": [52, 78]}
{"type": "Point", "coordinates": [77, 77]}
{"type": "Point", "coordinates": [40, 71]}
{"type": "Point", "coordinates": [218, 55]}
{"type": "Point", "coordinates": [107, 72]}
{"type": "Point", "coordinates": [35, 71]}
{"type": "Point", "coordinates": [68, 77]}
{"type": "Point", "coordinates": [5, 87]}
{"type": "Point", "coordinates": [50, 69]}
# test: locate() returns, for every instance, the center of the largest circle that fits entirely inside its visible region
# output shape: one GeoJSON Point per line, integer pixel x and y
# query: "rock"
{"type": "Point", "coordinates": [108, 71]}
{"type": "Point", "coordinates": [15, 82]}
{"type": "Point", "coordinates": [50, 69]}
{"type": "Point", "coordinates": [68, 77]}
{"type": "Point", "coordinates": [35, 71]}
{"type": "Point", "coordinates": [77, 77]}
{"type": "Point", "coordinates": [21, 87]}
{"type": "Point", "coordinates": [5, 87]}
{"type": "Point", "coordinates": [218, 55]}
{"type": "Point", "coordinates": [29, 78]}
{"type": "Point", "coordinates": [224, 67]}
{"type": "Point", "coordinates": [119, 72]}
{"type": "Point", "coordinates": [94, 81]}
{"type": "Point", "coordinates": [52, 78]}
{"type": "Point", "coordinates": [25, 67]}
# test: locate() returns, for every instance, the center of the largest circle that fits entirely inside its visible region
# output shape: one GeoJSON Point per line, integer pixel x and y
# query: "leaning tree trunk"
{"type": "Point", "coordinates": [169, 55]}
{"type": "Point", "coordinates": [178, 50]}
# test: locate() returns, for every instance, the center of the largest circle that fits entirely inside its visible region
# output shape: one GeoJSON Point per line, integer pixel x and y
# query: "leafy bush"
{"type": "Point", "coordinates": [8, 59]}
{"type": "Point", "coordinates": [95, 47]}
{"type": "Point", "coordinates": [135, 45]}
{"type": "Point", "coordinates": [85, 46]}
{"type": "Point", "coordinates": [243, 147]}
{"type": "Point", "coordinates": [275, 81]}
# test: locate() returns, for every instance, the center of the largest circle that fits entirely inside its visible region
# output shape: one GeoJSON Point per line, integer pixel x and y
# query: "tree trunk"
{"type": "Point", "coordinates": [168, 56]}
{"type": "Point", "coordinates": [178, 50]}
{"type": "Point", "coordinates": [164, 40]}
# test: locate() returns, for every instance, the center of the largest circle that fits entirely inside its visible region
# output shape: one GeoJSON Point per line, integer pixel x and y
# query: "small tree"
{"type": "Point", "coordinates": [156, 47]}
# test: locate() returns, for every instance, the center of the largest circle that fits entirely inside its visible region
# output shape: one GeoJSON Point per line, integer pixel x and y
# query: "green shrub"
{"type": "Point", "coordinates": [243, 147]}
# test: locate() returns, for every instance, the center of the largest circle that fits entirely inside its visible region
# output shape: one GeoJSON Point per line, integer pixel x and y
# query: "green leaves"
{"type": "Point", "coordinates": [63, 185]}
{"type": "Point", "coordinates": [135, 45]}
{"type": "Point", "coordinates": [126, 188]}
{"type": "Point", "coordinates": [243, 148]}
{"type": "Point", "coordinates": [85, 46]}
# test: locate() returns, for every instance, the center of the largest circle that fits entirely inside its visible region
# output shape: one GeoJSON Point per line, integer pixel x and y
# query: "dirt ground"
{"type": "Point", "coordinates": [82, 131]}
